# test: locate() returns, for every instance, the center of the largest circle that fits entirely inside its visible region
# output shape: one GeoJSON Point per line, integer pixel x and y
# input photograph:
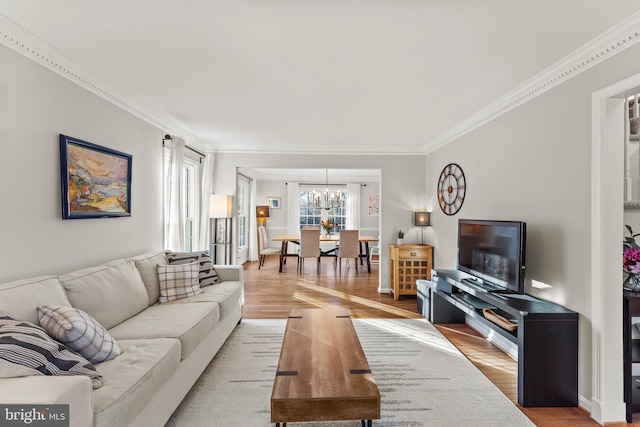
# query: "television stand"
{"type": "Point", "coordinates": [546, 336]}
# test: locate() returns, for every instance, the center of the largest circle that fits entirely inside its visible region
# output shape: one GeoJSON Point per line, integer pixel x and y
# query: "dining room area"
{"type": "Point", "coordinates": [314, 232]}
{"type": "Point", "coordinates": [286, 201]}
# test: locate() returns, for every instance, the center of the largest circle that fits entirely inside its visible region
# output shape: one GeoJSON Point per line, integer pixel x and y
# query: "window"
{"type": "Point", "coordinates": [243, 214]}
{"type": "Point", "coordinates": [191, 205]}
{"type": "Point", "coordinates": [311, 215]}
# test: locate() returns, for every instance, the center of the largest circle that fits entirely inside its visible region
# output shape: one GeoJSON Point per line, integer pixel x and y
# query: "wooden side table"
{"type": "Point", "coordinates": [408, 264]}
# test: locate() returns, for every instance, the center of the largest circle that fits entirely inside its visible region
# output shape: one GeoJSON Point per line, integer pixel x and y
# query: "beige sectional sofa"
{"type": "Point", "coordinates": [164, 347]}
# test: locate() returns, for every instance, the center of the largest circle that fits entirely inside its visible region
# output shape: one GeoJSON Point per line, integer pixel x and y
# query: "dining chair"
{"type": "Point", "coordinates": [348, 247]}
{"type": "Point", "coordinates": [309, 247]}
{"type": "Point", "coordinates": [263, 246]}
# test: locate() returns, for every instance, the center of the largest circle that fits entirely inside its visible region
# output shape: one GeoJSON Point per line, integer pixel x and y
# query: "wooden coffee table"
{"type": "Point", "coordinates": [323, 374]}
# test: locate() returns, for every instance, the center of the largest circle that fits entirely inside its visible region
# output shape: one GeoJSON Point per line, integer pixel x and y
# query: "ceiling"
{"type": "Point", "coordinates": [303, 76]}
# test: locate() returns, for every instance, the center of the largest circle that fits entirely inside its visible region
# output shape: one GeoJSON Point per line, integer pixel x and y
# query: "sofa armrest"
{"type": "Point", "coordinates": [76, 391]}
{"type": "Point", "coordinates": [230, 272]}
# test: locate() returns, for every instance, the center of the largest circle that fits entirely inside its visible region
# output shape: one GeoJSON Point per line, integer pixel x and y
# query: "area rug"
{"type": "Point", "coordinates": [423, 380]}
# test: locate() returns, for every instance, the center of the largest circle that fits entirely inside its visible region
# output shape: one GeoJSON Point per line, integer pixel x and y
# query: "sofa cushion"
{"type": "Point", "coordinates": [131, 380]}
{"type": "Point", "coordinates": [80, 331]}
{"type": "Point", "coordinates": [146, 265]}
{"type": "Point", "coordinates": [178, 281]}
{"type": "Point", "coordinates": [111, 292]}
{"type": "Point", "coordinates": [226, 294]}
{"type": "Point", "coordinates": [22, 298]}
{"type": "Point", "coordinates": [208, 275]}
{"type": "Point", "coordinates": [28, 345]}
{"type": "Point", "coordinates": [189, 323]}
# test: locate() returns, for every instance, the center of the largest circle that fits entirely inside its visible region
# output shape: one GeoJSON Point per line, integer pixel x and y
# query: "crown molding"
{"type": "Point", "coordinates": [284, 150]}
{"type": "Point", "coordinates": [28, 44]}
{"type": "Point", "coordinates": [613, 41]}
{"type": "Point", "coordinates": [621, 36]}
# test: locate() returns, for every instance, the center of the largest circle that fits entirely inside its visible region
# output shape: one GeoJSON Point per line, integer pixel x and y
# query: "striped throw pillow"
{"type": "Point", "coordinates": [80, 331]}
{"type": "Point", "coordinates": [28, 345]}
{"type": "Point", "coordinates": [207, 273]}
{"type": "Point", "coordinates": [178, 281]}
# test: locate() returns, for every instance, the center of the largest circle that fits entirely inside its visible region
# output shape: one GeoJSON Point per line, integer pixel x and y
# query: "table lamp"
{"type": "Point", "coordinates": [422, 219]}
{"type": "Point", "coordinates": [262, 213]}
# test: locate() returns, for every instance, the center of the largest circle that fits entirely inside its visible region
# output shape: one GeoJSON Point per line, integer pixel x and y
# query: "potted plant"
{"type": "Point", "coordinates": [400, 237]}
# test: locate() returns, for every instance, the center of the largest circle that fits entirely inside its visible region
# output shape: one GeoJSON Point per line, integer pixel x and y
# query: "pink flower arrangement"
{"type": "Point", "coordinates": [631, 260]}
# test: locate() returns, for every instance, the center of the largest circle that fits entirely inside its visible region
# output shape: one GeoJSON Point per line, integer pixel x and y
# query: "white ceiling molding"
{"type": "Point", "coordinates": [599, 49]}
{"type": "Point", "coordinates": [26, 43]}
{"type": "Point", "coordinates": [609, 43]}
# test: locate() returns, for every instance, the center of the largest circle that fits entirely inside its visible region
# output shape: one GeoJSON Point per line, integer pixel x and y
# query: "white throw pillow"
{"type": "Point", "coordinates": [178, 281]}
{"type": "Point", "coordinates": [79, 331]}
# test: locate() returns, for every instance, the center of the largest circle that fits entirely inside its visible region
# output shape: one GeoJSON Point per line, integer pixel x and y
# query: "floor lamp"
{"type": "Point", "coordinates": [220, 207]}
{"type": "Point", "coordinates": [422, 219]}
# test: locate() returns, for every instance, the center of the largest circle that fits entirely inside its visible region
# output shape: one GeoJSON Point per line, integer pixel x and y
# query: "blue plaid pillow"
{"type": "Point", "coordinates": [80, 331]}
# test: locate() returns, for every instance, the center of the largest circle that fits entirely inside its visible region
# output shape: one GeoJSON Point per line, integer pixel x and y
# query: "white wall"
{"type": "Point", "coordinates": [35, 106]}
{"type": "Point", "coordinates": [401, 188]}
{"type": "Point", "coordinates": [533, 164]}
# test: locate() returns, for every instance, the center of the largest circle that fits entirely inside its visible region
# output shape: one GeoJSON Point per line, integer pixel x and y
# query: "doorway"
{"type": "Point", "coordinates": [271, 184]}
{"type": "Point", "coordinates": [607, 163]}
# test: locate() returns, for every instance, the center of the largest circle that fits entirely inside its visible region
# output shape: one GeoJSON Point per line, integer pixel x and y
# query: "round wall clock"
{"type": "Point", "coordinates": [451, 189]}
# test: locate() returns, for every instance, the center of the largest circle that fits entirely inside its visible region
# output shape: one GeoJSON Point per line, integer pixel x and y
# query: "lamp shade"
{"type": "Point", "coordinates": [220, 206]}
{"type": "Point", "coordinates": [421, 219]}
{"type": "Point", "coordinates": [262, 211]}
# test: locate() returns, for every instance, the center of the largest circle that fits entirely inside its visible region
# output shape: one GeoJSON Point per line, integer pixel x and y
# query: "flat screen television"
{"type": "Point", "coordinates": [493, 252]}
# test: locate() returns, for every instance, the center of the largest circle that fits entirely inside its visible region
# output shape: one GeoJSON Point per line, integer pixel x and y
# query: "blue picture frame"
{"type": "Point", "coordinates": [95, 180]}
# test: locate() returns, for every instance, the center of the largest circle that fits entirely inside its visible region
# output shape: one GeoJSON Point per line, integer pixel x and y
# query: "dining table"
{"type": "Point", "coordinates": [285, 239]}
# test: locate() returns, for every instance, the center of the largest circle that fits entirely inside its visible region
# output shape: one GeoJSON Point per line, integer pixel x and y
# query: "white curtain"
{"type": "Point", "coordinates": [174, 200]}
{"type": "Point", "coordinates": [206, 187]}
{"type": "Point", "coordinates": [353, 206]}
{"type": "Point", "coordinates": [253, 223]}
{"type": "Point", "coordinates": [293, 208]}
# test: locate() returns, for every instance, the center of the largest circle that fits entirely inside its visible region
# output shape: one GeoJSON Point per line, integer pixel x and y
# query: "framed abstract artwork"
{"type": "Point", "coordinates": [374, 204]}
{"type": "Point", "coordinates": [96, 181]}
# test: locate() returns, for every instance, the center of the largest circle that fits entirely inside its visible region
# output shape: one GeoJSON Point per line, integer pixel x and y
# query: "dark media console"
{"type": "Point", "coordinates": [546, 336]}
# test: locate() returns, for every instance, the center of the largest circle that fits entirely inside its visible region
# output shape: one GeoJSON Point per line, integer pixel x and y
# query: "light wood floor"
{"type": "Point", "coordinates": [270, 295]}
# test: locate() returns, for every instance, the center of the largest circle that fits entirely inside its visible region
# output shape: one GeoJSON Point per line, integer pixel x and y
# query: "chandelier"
{"type": "Point", "coordinates": [328, 200]}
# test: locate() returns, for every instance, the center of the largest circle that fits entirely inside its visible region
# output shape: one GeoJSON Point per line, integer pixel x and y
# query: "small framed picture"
{"type": "Point", "coordinates": [273, 202]}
